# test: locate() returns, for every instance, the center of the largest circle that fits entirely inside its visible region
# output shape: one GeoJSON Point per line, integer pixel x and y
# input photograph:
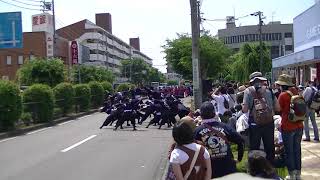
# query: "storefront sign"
{"type": "Point", "coordinates": [74, 52]}
{"type": "Point", "coordinates": [306, 28]}
{"type": "Point", "coordinates": [42, 22]}
{"type": "Point", "coordinates": [49, 41]}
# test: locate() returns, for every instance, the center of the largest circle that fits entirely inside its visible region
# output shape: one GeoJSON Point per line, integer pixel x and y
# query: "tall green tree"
{"type": "Point", "coordinates": [50, 72]}
{"type": "Point", "coordinates": [90, 73]}
{"type": "Point", "coordinates": [247, 61]}
{"type": "Point", "coordinates": [213, 54]}
{"type": "Point", "coordinates": [140, 72]}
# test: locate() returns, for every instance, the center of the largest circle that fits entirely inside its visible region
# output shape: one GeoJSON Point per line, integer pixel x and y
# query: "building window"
{"type": "Point", "coordinates": [288, 35]}
{"type": "Point", "coordinates": [246, 37]}
{"type": "Point", "coordinates": [9, 60]}
{"type": "Point", "coordinates": [289, 47]}
{"type": "Point", "coordinates": [269, 37]}
{"type": "Point", "coordinates": [20, 60]}
{"type": "Point", "coordinates": [280, 36]}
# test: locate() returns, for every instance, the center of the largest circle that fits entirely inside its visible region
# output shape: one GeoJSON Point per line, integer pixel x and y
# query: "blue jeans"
{"type": "Point", "coordinates": [311, 115]}
{"type": "Point", "coordinates": [292, 147]}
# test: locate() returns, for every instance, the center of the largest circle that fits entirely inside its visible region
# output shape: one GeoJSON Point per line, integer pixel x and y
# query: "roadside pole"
{"type": "Point", "coordinates": [195, 28]}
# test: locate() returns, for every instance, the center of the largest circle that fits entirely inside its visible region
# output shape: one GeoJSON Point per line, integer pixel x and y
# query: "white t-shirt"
{"type": "Point", "coordinates": [180, 157]}
{"type": "Point", "coordinates": [220, 103]}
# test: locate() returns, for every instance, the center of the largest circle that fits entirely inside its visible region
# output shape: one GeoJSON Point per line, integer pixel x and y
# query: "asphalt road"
{"type": "Point", "coordinates": [79, 150]}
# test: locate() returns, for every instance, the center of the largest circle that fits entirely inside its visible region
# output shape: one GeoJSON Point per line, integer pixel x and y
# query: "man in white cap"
{"type": "Point", "coordinates": [261, 104]}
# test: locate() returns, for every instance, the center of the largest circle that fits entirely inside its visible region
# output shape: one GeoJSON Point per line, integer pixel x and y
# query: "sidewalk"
{"type": "Point", "coordinates": [311, 157]}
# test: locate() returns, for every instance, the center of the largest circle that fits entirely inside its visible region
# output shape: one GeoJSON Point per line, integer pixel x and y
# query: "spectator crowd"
{"type": "Point", "coordinates": [267, 120]}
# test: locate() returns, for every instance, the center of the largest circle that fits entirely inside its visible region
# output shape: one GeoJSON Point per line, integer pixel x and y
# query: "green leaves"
{"type": "Point", "coordinates": [10, 104]}
{"type": "Point", "coordinates": [82, 96]}
{"type": "Point", "coordinates": [247, 61]}
{"type": "Point", "coordinates": [91, 73]}
{"type": "Point", "coordinates": [39, 100]}
{"type": "Point", "coordinates": [97, 93]}
{"type": "Point", "coordinates": [43, 71]}
{"type": "Point", "coordinates": [212, 55]}
{"type": "Point", "coordinates": [64, 96]}
{"type": "Point", "coordinates": [140, 72]}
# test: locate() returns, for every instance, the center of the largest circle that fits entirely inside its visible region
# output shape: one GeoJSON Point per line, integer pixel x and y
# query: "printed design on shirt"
{"type": "Point", "coordinates": [215, 144]}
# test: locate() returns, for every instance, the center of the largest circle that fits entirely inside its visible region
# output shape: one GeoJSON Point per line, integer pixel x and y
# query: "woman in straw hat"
{"type": "Point", "coordinates": [291, 131]}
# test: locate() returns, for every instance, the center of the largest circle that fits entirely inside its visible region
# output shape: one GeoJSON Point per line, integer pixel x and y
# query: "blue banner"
{"type": "Point", "coordinates": [10, 30]}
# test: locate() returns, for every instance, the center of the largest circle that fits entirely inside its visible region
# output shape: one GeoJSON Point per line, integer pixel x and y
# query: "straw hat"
{"type": "Point", "coordinates": [242, 88]}
{"type": "Point", "coordinates": [285, 80]}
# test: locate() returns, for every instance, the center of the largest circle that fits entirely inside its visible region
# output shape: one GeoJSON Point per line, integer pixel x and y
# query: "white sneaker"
{"type": "Point", "coordinates": [298, 175]}
{"type": "Point", "coordinates": [291, 176]}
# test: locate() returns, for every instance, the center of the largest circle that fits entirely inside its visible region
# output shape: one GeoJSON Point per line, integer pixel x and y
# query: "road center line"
{"type": "Point", "coordinates": [65, 123]}
{"type": "Point", "coordinates": [8, 139]}
{"type": "Point", "coordinates": [33, 132]}
{"type": "Point", "coordinates": [79, 143]}
{"type": "Point", "coordinates": [84, 117]}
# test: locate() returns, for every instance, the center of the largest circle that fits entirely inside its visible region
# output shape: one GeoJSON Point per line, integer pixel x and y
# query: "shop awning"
{"type": "Point", "coordinates": [298, 58]}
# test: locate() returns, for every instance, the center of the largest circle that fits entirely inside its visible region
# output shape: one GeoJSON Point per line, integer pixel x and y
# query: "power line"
{"type": "Point", "coordinates": [20, 6]}
{"type": "Point", "coordinates": [34, 1]}
{"type": "Point", "coordinates": [26, 3]}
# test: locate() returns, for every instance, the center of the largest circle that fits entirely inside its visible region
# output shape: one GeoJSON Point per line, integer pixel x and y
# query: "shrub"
{"type": "Point", "coordinates": [132, 86]}
{"type": "Point", "coordinates": [64, 95]}
{"type": "Point", "coordinates": [107, 86]}
{"type": "Point", "coordinates": [42, 71]}
{"type": "Point", "coordinates": [26, 118]}
{"type": "Point", "coordinates": [82, 94]}
{"type": "Point", "coordinates": [10, 104]}
{"type": "Point", "coordinates": [97, 94]}
{"type": "Point", "coordinates": [39, 100]}
{"type": "Point", "coordinates": [123, 87]}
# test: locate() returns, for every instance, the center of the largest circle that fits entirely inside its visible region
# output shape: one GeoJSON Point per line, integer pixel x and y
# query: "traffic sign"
{"type": "Point", "coordinates": [10, 30]}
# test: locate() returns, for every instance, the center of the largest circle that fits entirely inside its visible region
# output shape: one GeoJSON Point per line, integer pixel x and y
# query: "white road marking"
{"type": "Point", "coordinates": [79, 143]}
{"type": "Point", "coordinates": [8, 139]}
{"type": "Point", "coordinates": [33, 132]}
{"type": "Point", "coordinates": [65, 123]}
{"type": "Point", "coordinates": [84, 116]}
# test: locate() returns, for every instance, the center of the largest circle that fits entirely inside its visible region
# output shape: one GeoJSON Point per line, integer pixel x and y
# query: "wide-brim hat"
{"type": "Point", "coordinates": [256, 153]}
{"type": "Point", "coordinates": [285, 80]}
{"type": "Point", "coordinates": [256, 75]}
{"type": "Point", "coordinates": [242, 88]}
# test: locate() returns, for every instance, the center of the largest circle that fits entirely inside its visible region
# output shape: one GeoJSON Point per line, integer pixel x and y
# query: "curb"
{"type": "Point", "coordinates": [23, 131]}
{"type": "Point", "coordinates": [165, 172]}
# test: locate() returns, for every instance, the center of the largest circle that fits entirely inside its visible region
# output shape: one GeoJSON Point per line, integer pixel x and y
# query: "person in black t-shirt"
{"type": "Point", "coordinates": [216, 137]}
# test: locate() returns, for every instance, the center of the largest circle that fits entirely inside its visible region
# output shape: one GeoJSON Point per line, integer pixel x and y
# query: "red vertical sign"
{"type": "Point", "coordinates": [74, 52]}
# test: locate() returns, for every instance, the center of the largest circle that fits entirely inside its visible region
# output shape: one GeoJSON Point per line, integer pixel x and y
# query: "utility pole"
{"type": "Point", "coordinates": [54, 28]}
{"type": "Point", "coordinates": [260, 14]}
{"type": "Point", "coordinates": [195, 28]}
{"type": "Point", "coordinates": [260, 41]}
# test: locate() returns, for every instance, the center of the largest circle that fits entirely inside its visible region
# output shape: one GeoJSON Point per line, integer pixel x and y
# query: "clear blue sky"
{"type": "Point", "coordinates": [156, 20]}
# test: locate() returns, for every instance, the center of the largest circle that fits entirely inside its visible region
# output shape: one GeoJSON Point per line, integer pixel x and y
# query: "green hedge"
{"type": "Point", "coordinates": [10, 104]}
{"type": "Point", "coordinates": [107, 86]}
{"type": "Point", "coordinates": [97, 94]}
{"type": "Point", "coordinates": [39, 100]}
{"type": "Point", "coordinates": [64, 96]}
{"type": "Point", "coordinates": [123, 87]}
{"type": "Point", "coordinates": [82, 96]}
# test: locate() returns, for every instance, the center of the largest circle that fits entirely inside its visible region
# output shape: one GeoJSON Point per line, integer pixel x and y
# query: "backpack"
{"type": "Point", "coordinates": [261, 112]}
{"type": "Point", "coordinates": [314, 101]}
{"type": "Point", "coordinates": [298, 108]}
{"type": "Point", "coordinates": [225, 103]}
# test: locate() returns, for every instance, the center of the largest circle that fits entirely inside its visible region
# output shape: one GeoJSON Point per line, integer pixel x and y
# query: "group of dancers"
{"type": "Point", "coordinates": [137, 105]}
